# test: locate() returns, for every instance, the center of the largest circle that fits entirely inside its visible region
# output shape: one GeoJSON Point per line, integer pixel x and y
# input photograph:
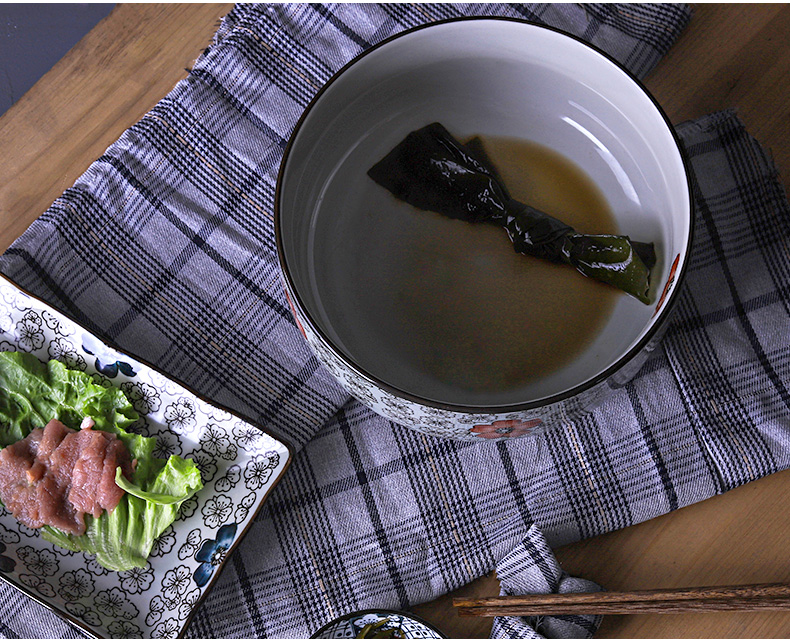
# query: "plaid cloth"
{"type": "Point", "coordinates": [532, 568]}
{"type": "Point", "coordinates": [165, 247]}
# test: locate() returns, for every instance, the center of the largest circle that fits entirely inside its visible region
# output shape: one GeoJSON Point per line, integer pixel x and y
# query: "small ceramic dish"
{"type": "Point", "coordinates": [239, 465]}
{"type": "Point", "coordinates": [385, 623]}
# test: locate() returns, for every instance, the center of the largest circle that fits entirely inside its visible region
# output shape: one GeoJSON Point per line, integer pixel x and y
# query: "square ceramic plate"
{"type": "Point", "coordinates": [238, 461]}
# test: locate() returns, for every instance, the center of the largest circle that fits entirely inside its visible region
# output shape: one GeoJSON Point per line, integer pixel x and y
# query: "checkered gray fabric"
{"type": "Point", "coordinates": [531, 568]}
{"type": "Point", "coordinates": [165, 247]}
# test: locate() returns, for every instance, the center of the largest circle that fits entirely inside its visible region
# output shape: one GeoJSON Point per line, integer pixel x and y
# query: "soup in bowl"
{"type": "Point", "coordinates": [436, 322]}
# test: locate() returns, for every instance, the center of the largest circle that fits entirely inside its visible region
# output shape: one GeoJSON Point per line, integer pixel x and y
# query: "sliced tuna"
{"type": "Point", "coordinates": [56, 475]}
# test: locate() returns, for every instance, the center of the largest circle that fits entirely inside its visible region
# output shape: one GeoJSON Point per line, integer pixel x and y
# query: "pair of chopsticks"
{"type": "Point", "coordinates": [753, 597]}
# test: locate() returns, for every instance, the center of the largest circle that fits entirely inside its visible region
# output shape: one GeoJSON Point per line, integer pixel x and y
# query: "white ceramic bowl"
{"type": "Point", "coordinates": [494, 77]}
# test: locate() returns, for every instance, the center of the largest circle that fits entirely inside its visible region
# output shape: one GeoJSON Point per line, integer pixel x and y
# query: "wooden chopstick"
{"type": "Point", "coordinates": [752, 597]}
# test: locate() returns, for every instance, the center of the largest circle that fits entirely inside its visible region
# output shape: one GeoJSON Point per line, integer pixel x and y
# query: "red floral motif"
{"type": "Point", "coordinates": [668, 285]}
{"type": "Point", "coordinates": [295, 315]}
{"type": "Point", "coordinates": [504, 429]}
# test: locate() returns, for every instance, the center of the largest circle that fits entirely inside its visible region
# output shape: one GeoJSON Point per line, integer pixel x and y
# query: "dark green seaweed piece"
{"type": "Point", "coordinates": [431, 170]}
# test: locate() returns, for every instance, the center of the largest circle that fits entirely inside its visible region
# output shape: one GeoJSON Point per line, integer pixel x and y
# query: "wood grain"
{"type": "Point", "coordinates": [108, 80]}
{"type": "Point", "coordinates": [733, 56]}
{"type": "Point", "coordinates": [730, 56]}
{"type": "Point", "coordinates": [753, 597]}
{"type": "Point", "coordinates": [739, 537]}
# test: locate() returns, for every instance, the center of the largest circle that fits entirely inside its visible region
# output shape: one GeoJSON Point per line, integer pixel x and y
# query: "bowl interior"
{"type": "Point", "coordinates": [489, 77]}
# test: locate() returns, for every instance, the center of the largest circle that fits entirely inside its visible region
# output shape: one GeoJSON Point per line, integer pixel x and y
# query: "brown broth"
{"type": "Point", "coordinates": [456, 301]}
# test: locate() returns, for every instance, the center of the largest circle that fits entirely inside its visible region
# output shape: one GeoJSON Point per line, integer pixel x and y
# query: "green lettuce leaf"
{"type": "Point", "coordinates": [180, 479]}
{"type": "Point", "coordinates": [32, 393]}
{"type": "Point", "coordinates": [123, 538]}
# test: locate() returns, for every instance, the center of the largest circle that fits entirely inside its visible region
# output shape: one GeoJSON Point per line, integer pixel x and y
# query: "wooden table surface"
{"type": "Point", "coordinates": [731, 55]}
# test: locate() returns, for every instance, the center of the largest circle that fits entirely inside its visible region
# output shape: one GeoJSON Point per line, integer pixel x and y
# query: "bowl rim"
{"type": "Point", "coordinates": [662, 313]}
{"type": "Point", "coordinates": [383, 612]}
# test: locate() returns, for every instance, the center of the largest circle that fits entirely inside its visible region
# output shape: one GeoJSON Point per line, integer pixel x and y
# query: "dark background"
{"type": "Point", "coordinates": [33, 37]}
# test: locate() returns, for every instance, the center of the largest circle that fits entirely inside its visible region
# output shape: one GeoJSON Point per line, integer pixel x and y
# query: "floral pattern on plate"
{"type": "Point", "coordinates": [239, 464]}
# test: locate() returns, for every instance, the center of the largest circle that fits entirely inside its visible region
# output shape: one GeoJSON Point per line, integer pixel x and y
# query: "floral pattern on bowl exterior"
{"type": "Point", "coordinates": [402, 624]}
{"type": "Point", "coordinates": [238, 462]}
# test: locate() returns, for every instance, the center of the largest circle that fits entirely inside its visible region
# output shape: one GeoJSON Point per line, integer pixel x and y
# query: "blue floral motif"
{"type": "Point", "coordinates": [105, 362]}
{"type": "Point", "coordinates": [212, 553]}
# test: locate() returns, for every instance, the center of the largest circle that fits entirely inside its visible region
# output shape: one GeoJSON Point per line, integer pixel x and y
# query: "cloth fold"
{"type": "Point", "coordinates": [532, 568]}
{"type": "Point", "coordinates": [165, 247]}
